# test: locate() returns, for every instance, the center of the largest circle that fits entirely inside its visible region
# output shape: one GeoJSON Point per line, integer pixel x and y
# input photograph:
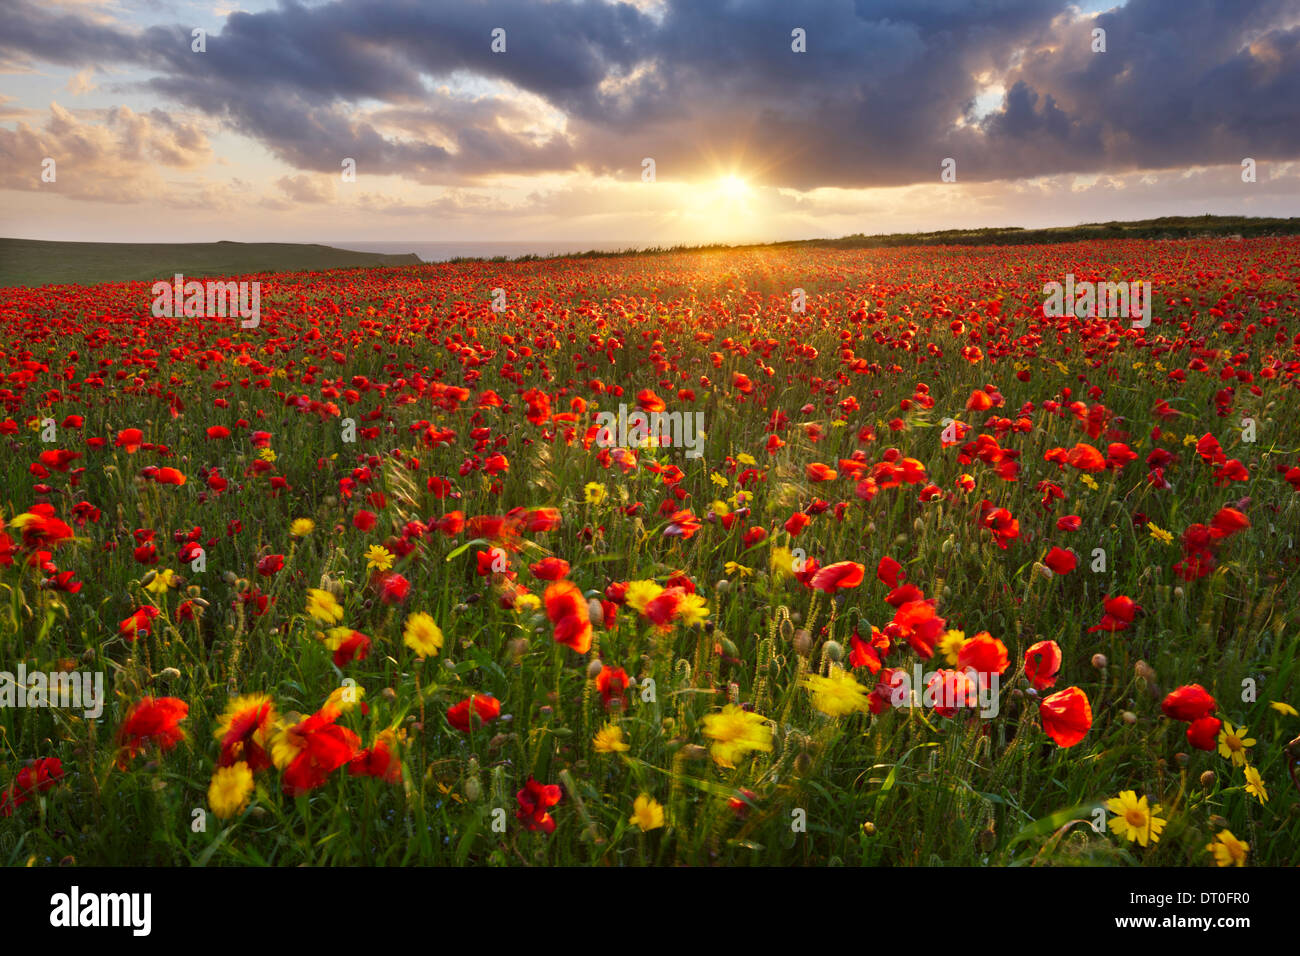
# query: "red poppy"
{"type": "Point", "coordinates": [472, 711]}
{"type": "Point", "coordinates": [1066, 716]}
{"type": "Point", "coordinates": [549, 569]}
{"type": "Point", "coordinates": [1061, 561]}
{"type": "Point", "coordinates": [151, 720]}
{"type": "Point", "coordinates": [378, 761]}
{"type": "Point", "coordinates": [1203, 733]}
{"type": "Point", "coordinates": [612, 682]}
{"type": "Point", "coordinates": [985, 654]}
{"type": "Point", "coordinates": [534, 801]}
{"type": "Point", "coordinates": [319, 747]}
{"type": "Point", "coordinates": [841, 575]}
{"type": "Point", "coordinates": [1188, 703]}
{"type": "Point", "coordinates": [1042, 663]}
{"type": "Point", "coordinates": [567, 610]}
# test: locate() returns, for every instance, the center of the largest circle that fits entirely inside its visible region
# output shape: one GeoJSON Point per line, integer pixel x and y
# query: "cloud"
{"type": "Point", "coordinates": [112, 155]}
{"type": "Point", "coordinates": [306, 189]}
{"type": "Point", "coordinates": [886, 90]}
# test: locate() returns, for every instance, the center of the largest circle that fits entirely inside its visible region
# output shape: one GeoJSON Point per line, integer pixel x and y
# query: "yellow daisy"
{"type": "Point", "coordinates": [379, 558]}
{"type": "Point", "coordinates": [1228, 850]}
{"type": "Point", "coordinates": [1255, 784]}
{"type": "Point", "coordinates": [1134, 819]}
{"type": "Point", "coordinates": [1233, 744]}
{"type": "Point", "coordinates": [609, 740]}
{"type": "Point", "coordinates": [647, 813]}
{"type": "Point", "coordinates": [422, 635]}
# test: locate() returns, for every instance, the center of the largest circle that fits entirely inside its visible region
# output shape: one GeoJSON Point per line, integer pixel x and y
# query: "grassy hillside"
{"type": "Point", "coordinates": [31, 262]}
{"type": "Point", "coordinates": [1165, 227]}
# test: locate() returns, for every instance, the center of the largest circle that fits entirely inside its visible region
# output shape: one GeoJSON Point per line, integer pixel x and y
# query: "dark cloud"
{"type": "Point", "coordinates": [885, 92]}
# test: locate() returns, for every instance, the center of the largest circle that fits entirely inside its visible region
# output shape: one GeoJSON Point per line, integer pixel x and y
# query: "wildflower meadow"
{"type": "Point", "coordinates": [764, 557]}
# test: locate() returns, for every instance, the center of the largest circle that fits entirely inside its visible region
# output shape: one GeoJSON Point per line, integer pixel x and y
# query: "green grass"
{"type": "Point", "coordinates": [29, 262]}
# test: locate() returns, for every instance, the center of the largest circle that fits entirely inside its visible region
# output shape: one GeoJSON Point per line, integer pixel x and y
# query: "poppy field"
{"type": "Point", "coordinates": [917, 573]}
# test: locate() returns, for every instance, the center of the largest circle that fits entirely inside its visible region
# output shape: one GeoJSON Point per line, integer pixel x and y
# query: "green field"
{"type": "Point", "coordinates": [30, 262]}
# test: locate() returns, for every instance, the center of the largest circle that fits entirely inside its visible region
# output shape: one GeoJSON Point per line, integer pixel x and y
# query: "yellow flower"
{"type": "Point", "coordinates": [1161, 535]}
{"type": "Point", "coordinates": [301, 527]}
{"type": "Point", "coordinates": [1255, 784]}
{"type": "Point", "coordinates": [525, 603]}
{"type": "Point", "coordinates": [734, 569]}
{"type": "Point", "coordinates": [1234, 743]}
{"type": "Point", "coordinates": [641, 593]}
{"type": "Point", "coordinates": [746, 459]}
{"type": "Point", "coordinates": [230, 789]}
{"type": "Point", "coordinates": [718, 480]}
{"type": "Point", "coordinates": [593, 492]}
{"type": "Point", "coordinates": [782, 562]}
{"type": "Point", "coordinates": [609, 740]}
{"type": "Point", "coordinates": [950, 645]}
{"type": "Point", "coordinates": [735, 732]}
{"type": "Point", "coordinates": [422, 635]}
{"type": "Point", "coordinates": [1134, 819]}
{"type": "Point", "coordinates": [1089, 481]}
{"type": "Point", "coordinates": [837, 694]}
{"type": "Point", "coordinates": [323, 606]}
{"type": "Point", "coordinates": [266, 454]}
{"type": "Point", "coordinates": [692, 610]}
{"type": "Point", "coordinates": [1286, 710]}
{"type": "Point", "coordinates": [163, 580]}
{"type": "Point", "coordinates": [379, 557]}
{"type": "Point", "coordinates": [647, 813]}
{"type": "Point", "coordinates": [1228, 850]}
{"type": "Point", "coordinates": [720, 508]}
{"type": "Point", "coordinates": [343, 699]}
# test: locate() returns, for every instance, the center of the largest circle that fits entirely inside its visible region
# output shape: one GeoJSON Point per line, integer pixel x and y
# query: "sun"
{"type": "Point", "coordinates": [733, 187]}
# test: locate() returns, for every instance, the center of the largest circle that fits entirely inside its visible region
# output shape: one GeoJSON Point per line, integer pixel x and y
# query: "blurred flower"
{"type": "Point", "coordinates": [244, 731]}
{"type": "Point", "coordinates": [301, 527]}
{"type": "Point", "coordinates": [230, 789]}
{"type": "Point", "coordinates": [736, 732]}
{"type": "Point", "coordinates": [837, 694]}
{"type": "Point", "coordinates": [422, 635]}
{"type": "Point", "coordinates": [323, 606]}
{"type": "Point", "coordinates": [1228, 850]}
{"type": "Point", "coordinates": [647, 813]}
{"type": "Point", "coordinates": [609, 740]}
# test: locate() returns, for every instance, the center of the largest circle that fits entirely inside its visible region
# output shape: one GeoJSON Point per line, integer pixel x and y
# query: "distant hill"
{"type": "Point", "coordinates": [1166, 227]}
{"type": "Point", "coordinates": [30, 262]}
{"type": "Point", "coordinates": [27, 262]}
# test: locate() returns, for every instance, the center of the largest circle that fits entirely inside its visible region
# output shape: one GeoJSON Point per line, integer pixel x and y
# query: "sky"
{"type": "Point", "coordinates": [522, 120]}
